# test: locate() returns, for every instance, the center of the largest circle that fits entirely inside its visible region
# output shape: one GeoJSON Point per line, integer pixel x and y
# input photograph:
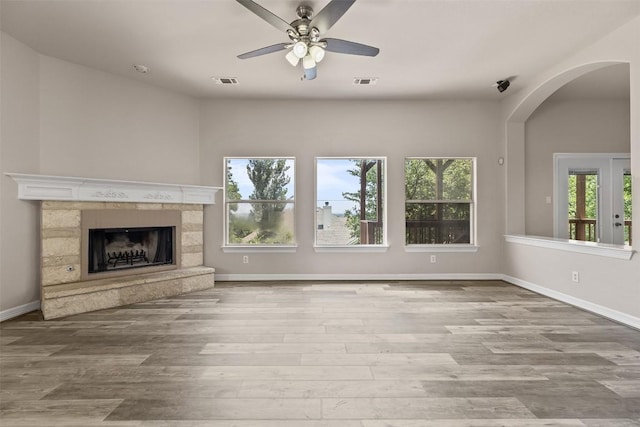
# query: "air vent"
{"type": "Point", "coordinates": [143, 69]}
{"type": "Point", "coordinates": [226, 80]}
{"type": "Point", "coordinates": [365, 80]}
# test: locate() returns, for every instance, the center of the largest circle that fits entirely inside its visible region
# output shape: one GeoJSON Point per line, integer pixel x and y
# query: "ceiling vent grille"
{"type": "Point", "coordinates": [365, 80]}
{"type": "Point", "coordinates": [226, 80]}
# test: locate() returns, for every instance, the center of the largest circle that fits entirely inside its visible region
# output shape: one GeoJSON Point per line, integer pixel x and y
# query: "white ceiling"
{"type": "Point", "coordinates": [429, 49]}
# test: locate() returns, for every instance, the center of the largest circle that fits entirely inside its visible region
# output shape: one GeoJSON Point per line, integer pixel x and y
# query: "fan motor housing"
{"type": "Point", "coordinates": [304, 11]}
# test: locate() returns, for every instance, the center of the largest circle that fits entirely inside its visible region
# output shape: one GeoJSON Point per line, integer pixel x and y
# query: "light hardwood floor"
{"type": "Point", "coordinates": [378, 354]}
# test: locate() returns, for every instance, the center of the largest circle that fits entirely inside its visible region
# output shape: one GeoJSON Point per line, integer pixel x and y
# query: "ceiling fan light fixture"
{"type": "Point", "coordinates": [300, 49]}
{"type": "Point", "coordinates": [308, 62]}
{"type": "Point", "coordinates": [310, 73]}
{"type": "Point", "coordinates": [317, 53]}
{"type": "Point", "coordinates": [293, 35]}
{"type": "Point", "coordinates": [292, 58]}
{"type": "Point", "coordinates": [314, 34]}
{"type": "Point", "coordinates": [304, 34]}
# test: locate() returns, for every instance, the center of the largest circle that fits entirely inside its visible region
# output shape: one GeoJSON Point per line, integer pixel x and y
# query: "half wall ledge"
{"type": "Point", "coordinates": [589, 248]}
{"type": "Point", "coordinates": [81, 297]}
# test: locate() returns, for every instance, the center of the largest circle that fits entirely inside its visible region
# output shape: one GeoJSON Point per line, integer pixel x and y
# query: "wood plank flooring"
{"type": "Point", "coordinates": [287, 354]}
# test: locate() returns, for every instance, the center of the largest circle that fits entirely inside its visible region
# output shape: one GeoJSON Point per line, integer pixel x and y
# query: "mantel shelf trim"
{"type": "Point", "coordinates": [46, 187]}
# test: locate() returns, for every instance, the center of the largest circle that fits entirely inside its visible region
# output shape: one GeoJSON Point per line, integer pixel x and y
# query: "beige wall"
{"type": "Point", "coordinates": [63, 119]}
{"type": "Point", "coordinates": [351, 128]}
{"type": "Point", "coordinates": [19, 141]}
{"type": "Point", "coordinates": [95, 124]}
{"type": "Point", "coordinates": [607, 284]}
{"type": "Point", "coordinates": [584, 126]}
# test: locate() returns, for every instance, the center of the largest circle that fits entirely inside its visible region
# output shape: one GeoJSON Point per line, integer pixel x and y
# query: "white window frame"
{"type": "Point", "coordinates": [248, 248]}
{"type": "Point", "coordinates": [472, 246]}
{"type": "Point", "coordinates": [366, 248]}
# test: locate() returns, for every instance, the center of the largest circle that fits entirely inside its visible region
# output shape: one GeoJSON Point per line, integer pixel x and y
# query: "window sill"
{"type": "Point", "coordinates": [260, 248]}
{"type": "Point", "coordinates": [352, 249]}
{"type": "Point", "coordinates": [441, 248]}
{"type": "Point", "coordinates": [576, 246]}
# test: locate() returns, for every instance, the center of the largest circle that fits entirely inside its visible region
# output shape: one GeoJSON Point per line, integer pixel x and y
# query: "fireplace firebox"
{"type": "Point", "coordinates": [124, 242]}
{"type": "Point", "coordinates": [125, 248]}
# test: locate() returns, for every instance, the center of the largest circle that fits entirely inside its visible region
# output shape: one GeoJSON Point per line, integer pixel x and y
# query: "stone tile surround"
{"type": "Point", "coordinates": [64, 293]}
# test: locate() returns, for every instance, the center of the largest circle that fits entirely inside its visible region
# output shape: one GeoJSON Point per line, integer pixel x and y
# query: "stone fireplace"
{"type": "Point", "coordinates": [105, 252]}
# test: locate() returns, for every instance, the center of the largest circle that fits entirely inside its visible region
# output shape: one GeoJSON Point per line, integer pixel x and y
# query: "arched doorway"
{"type": "Point", "coordinates": [516, 141]}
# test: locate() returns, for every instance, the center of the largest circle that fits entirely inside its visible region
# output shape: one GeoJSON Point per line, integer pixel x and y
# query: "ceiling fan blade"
{"type": "Point", "coordinates": [350, 48]}
{"type": "Point", "coordinates": [268, 16]}
{"type": "Point", "coordinates": [330, 14]}
{"type": "Point", "coordinates": [265, 50]}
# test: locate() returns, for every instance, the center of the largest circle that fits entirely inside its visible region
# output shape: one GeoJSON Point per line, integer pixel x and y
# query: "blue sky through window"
{"type": "Point", "coordinates": [333, 180]}
{"type": "Point", "coordinates": [238, 168]}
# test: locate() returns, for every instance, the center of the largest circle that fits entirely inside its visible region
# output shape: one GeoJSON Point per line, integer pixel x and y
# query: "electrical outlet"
{"type": "Point", "coordinates": [575, 276]}
{"type": "Point", "coordinates": [433, 259]}
{"type": "Point", "coordinates": [245, 259]}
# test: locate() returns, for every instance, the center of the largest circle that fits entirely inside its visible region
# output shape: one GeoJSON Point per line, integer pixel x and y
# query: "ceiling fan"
{"type": "Point", "coordinates": [305, 44]}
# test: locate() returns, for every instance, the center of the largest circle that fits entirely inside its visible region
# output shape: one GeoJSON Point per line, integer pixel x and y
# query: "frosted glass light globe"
{"type": "Point", "coordinates": [300, 49]}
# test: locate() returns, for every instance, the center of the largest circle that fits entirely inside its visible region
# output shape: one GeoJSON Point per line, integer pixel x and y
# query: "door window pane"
{"type": "Point", "coordinates": [627, 207]}
{"type": "Point", "coordinates": [583, 205]}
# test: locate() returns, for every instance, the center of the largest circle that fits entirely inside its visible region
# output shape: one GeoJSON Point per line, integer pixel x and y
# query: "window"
{"type": "Point", "coordinates": [260, 201]}
{"type": "Point", "coordinates": [593, 197]}
{"type": "Point", "coordinates": [350, 202]}
{"type": "Point", "coordinates": [439, 201]}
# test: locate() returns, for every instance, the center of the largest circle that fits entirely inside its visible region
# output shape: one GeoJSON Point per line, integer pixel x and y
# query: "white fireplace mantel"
{"type": "Point", "coordinates": [46, 187]}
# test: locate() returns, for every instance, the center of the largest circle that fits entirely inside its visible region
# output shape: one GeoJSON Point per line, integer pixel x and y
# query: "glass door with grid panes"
{"type": "Point", "coordinates": [593, 198]}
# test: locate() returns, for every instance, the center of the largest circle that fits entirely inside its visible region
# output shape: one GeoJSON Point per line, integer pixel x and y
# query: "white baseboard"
{"type": "Point", "coordinates": [609, 313]}
{"type": "Point", "coordinates": [319, 277]}
{"type": "Point", "coordinates": [17, 311]}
